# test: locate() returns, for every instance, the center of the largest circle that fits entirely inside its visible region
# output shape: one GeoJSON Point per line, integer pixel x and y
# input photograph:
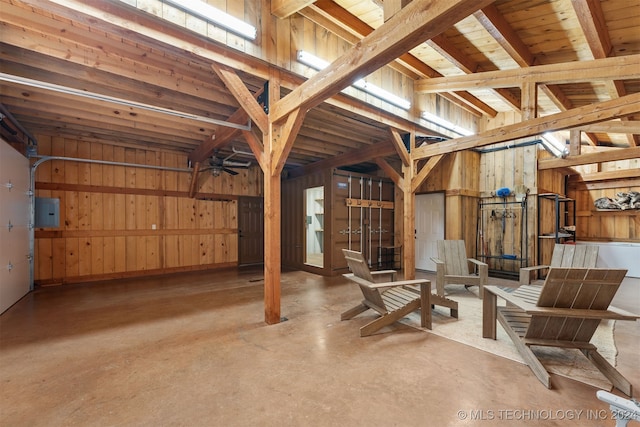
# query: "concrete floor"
{"type": "Point", "coordinates": [193, 350]}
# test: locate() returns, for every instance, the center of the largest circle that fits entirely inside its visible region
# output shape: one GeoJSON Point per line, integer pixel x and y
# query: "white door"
{"type": "Point", "coordinates": [14, 226]}
{"type": "Point", "coordinates": [429, 219]}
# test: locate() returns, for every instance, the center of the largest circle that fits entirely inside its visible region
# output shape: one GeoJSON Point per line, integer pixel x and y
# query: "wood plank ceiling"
{"type": "Point", "coordinates": [51, 43]}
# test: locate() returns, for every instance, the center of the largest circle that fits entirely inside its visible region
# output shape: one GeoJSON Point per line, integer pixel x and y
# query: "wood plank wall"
{"type": "Point", "coordinates": [118, 221]}
{"type": "Point", "coordinates": [457, 176]}
{"type": "Point", "coordinates": [514, 163]}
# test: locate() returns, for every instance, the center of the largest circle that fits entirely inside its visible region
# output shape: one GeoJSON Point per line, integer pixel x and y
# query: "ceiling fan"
{"type": "Point", "coordinates": [217, 164]}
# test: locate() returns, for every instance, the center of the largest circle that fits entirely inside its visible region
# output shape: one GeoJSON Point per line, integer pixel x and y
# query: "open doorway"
{"type": "Point", "coordinates": [314, 225]}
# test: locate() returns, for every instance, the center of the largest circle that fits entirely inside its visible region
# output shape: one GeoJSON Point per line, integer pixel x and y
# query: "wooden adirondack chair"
{"type": "Point", "coordinates": [452, 267]}
{"type": "Point", "coordinates": [577, 256]}
{"type": "Point", "coordinates": [564, 312]}
{"type": "Point", "coordinates": [391, 299]}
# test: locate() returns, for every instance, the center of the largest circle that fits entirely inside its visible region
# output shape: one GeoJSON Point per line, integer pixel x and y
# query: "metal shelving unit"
{"type": "Point", "coordinates": [564, 209]}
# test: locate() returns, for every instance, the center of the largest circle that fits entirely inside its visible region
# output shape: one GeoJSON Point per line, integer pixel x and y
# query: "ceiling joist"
{"type": "Point", "coordinates": [417, 22]}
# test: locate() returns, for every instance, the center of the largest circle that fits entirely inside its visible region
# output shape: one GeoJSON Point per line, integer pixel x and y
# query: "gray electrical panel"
{"type": "Point", "coordinates": [47, 212]}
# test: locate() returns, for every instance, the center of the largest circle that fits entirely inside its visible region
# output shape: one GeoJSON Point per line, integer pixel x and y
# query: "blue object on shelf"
{"type": "Point", "coordinates": [503, 192]}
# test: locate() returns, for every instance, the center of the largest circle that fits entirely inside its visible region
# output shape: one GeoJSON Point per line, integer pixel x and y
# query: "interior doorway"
{"type": "Point", "coordinates": [314, 226]}
{"type": "Point", "coordinates": [429, 219]}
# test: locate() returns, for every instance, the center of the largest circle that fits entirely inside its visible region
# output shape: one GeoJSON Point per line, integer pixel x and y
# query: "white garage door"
{"type": "Point", "coordinates": [14, 226]}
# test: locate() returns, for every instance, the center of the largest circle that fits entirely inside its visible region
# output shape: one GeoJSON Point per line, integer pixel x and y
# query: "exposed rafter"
{"type": "Point", "coordinates": [593, 24]}
{"type": "Point", "coordinates": [331, 15]}
{"type": "Point", "coordinates": [414, 24]}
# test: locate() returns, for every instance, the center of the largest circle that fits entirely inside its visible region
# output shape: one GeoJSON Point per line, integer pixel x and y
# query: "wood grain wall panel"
{"type": "Point", "coordinates": [72, 266]}
{"type": "Point", "coordinates": [97, 255]}
{"type": "Point", "coordinates": [106, 234]}
{"type": "Point", "coordinates": [58, 249]}
{"type": "Point", "coordinates": [109, 255]}
{"type": "Point", "coordinates": [457, 175]}
{"type": "Point", "coordinates": [44, 253]}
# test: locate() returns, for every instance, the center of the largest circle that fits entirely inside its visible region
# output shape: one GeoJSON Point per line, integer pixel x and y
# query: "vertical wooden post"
{"type": "Point", "coordinates": [409, 224]}
{"type": "Point", "coordinates": [277, 145]}
{"type": "Point", "coordinates": [272, 213]}
{"type": "Point", "coordinates": [272, 229]}
{"type": "Point", "coordinates": [529, 102]}
{"type": "Point", "coordinates": [409, 208]}
{"type": "Point", "coordinates": [529, 109]}
{"type": "Point", "coordinates": [574, 142]}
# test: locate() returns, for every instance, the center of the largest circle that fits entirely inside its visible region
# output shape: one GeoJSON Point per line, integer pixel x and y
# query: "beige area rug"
{"type": "Point", "coordinates": [467, 329]}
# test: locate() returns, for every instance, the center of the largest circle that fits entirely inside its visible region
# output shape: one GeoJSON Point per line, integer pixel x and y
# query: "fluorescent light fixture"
{"type": "Point", "coordinates": [318, 64]}
{"type": "Point", "coordinates": [378, 92]}
{"type": "Point", "coordinates": [216, 16]}
{"type": "Point", "coordinates": [554, 146]}
{"type": "Point", "coordinates": [432, 118]}
{"type": "Point", "coordinates": [311, 60]}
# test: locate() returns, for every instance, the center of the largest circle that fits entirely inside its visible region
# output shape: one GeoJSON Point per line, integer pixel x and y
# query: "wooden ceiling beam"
{"type": "Point", "coordinates": [602, 111]}
{"type": "Point", "coordinates": [381, 149]}
{"type": "Point", "coordinates": [425, 171]}
{"type": "Point", "coordinates": [284, 134]}
{"type": "Point", "coordinates": [464, 62]}
{"type": "Point", "coordinates": [419, 21]}
{"type": "Point", "coordinates": [592, 21]}
{"type": "Point", "coordinates": [331, 15]}
{"type": "Point", "coordinates": [632, 127]}
{"type": "Point", "coordinates": [599, 156]}
{"type": "Point", "coordinates": [398, 144]}
{"type": "Point", "coordinates": [603, 176]}
{"type": "Point", "coordinates": [591, 18]}
{"type": "Point", "coordinates": [83, 110]}
{"type": "Point", "coordinates": [495, 24]}
{"type": "Point", "coordinates": [115, 136]}
{"type": "Point", "coordinates": [209, 101]}
{"type": "Point", "coordinates": [256, 146]}
{"type": "Point", "coordinates": [622, 68]}
{"type": "Point", "coordinates": [70, 48]}
{"type": "Point", "coordinates": [114, 18]}
{"type": "Point", "coordinates": [285, 8]}
{"type": "Point", "coordinates": [395, 176]}
{"type": "Point", "coordinates": [334, 24]}
{"type": "Point", "coordinates": [246, 99]}
{"type": "Point", "coordinates": [221, 137]}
